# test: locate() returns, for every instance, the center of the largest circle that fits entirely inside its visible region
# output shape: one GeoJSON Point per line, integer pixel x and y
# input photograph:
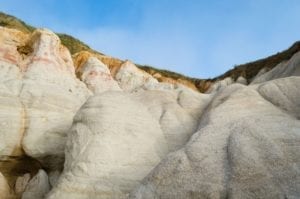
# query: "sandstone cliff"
{"type": "Point", "coordinates": [79, 124]}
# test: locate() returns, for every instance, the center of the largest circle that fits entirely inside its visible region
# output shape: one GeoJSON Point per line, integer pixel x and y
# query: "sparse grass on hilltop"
{"type": "Point", "coordinates": [248, 70]}
{"type": "Point", "coordinates": [12, 22]}
{"type": "Point", "coordinates": [74, 45]}
{"type": "Point", "coordinates": [166, 73]}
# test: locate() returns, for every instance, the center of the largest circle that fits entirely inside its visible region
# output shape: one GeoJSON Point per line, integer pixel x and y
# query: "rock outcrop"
{"type": "Point", "coordinates": [40, 92]}
{"type": "Point", "coordinates": [96, 76]}
{"type": "Point", "coordinates": [51, 95]}
{"type": "Point", "coordinates": [246, 147]}
{"type": "Point", "coordinates": [100, 127]}
{"type": "Point", "coordinates": [109, 149]}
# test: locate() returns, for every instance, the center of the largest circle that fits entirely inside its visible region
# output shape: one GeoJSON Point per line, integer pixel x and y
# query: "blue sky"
{"type": "Point", "coordinates": [194, 37]}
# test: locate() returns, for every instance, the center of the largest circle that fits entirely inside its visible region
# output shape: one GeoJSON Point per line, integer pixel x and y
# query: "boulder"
{"type": "Point", "coordinates": [37, 187]}
{"type": "Point", "coordinates": [21, 183]}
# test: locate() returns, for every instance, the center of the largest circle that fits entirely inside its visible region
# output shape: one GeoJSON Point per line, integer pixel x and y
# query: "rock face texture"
{"type": "Point", "coordinates": [12, 112]}
{"type": "Point", "coordinates": [110, 150]}
{"type": "Point", "coordinates": [107, 150]}
{"type": "Point", "coordinates": [177, 111]}
{"type": "Point", "coordinates": [104, 129]}
{"type": "Point", "coordinates": [246, 147]}
{"type": "Point", "coordinates": [40, 94]}
{"type": "Point", "coordinates": [51, 96]}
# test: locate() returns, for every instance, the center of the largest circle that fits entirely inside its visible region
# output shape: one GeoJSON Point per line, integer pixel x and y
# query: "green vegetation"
{"type": "Point", "coordinates": [12, 22]}
{"type": "Point", "coordinates": [74, 45]}
{"type": "Point", "coordinates": [249, 70]}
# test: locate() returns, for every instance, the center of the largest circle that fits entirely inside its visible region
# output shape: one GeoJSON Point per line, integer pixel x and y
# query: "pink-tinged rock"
{"type": "Point", "coordinates": [51, 95]}
{"type": "Point", "coordinates": [97, 77]}
{"type": "Point", "coordinates": [39, 93]}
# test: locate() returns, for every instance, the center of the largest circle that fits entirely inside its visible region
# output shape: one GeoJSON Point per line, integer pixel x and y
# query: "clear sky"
{"type": "Point", "coordinates": [199, 38]}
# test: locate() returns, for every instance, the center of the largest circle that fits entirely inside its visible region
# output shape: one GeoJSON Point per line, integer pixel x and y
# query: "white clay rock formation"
{"type": "Point", "coordinates": [131, 78]}
{"type": "Point", "coordinates": [177, 112]}
{"type": "Point", "coordinates": [51, 95]}
{"type": "Point", "coordinates": [97, 77]}
{"type": "Point", "coordinates": [108, 150]}
{"type": "Point", "coordinates": [110, 130]}
{"type": "Point", "coordinates": [42, 94]}
{"type": "Point", "coordinates": [246, 147]}
{"type": "Point", "coordinates": [39, 94]}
